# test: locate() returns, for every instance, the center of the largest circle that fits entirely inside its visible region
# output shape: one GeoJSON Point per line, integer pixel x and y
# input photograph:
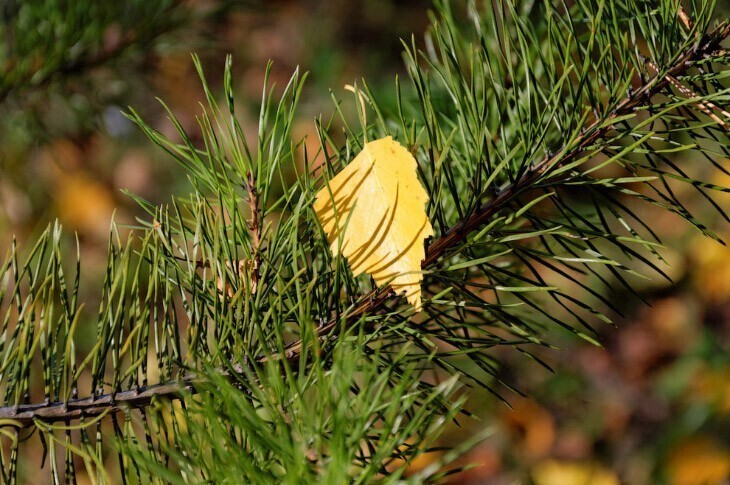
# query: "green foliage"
{"type": "Point", "coordinates": [40, 33]}
{"type": "Point", "coordinates": [347, 417]}
{"type": "Point", "coordinates": [231, 344]}
{"type": "Point", "coordinates": [46, 38]}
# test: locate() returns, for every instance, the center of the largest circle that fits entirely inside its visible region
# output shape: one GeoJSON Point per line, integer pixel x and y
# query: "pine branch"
{"type": "Point", "coordinates": [90, 61]}
{"type": "Point", "coordinates": [595, 131]}
{"type": "Point", "coordinates": [706, 107]}
{"type": "Point", "coordinates": [24, 415]}
{"type": "Point", "coordinates": [78, 65]}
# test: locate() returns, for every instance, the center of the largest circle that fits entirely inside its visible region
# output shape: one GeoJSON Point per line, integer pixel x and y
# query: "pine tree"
{"type": "Point", "coordinates": [232, 346]}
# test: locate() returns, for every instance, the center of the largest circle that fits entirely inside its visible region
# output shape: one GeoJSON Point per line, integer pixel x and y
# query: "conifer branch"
{"type": "Point", "coordinates": [25, 415]}
{"type": "Point", "coordinates": [88, 62]}
{"type": "Point", "coordinates": [707, 107]}
{"type": "Point", "coordinates": [596, 130]}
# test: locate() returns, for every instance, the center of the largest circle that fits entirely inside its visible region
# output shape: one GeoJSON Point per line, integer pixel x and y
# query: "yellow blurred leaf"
{"type": "Point", "coordinates": [532, 425]}
{"type": "Point", "coordinates": [84, 204]}
{"type": "Point", "coordinates": [373, 214]}
{"type": "Point", "coordinates": [699, 461]}
{"type": "Point", "coordinates": [712, 273]}
{"type": "Point", "coordinates": [712, 386]}
{"type": "Point", "coordinates": [553, 472]}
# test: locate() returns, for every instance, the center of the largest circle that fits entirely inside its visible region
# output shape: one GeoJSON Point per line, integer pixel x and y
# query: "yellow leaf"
{"type": "Point", "coordinates": [373, 214]}
{"type": "Point", "coordinates": [552, 472]}
{"type": "Point", "coordinates": [699, 460]}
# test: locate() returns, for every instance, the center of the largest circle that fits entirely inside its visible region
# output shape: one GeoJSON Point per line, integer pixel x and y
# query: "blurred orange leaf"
{"type": "Point", "coordinates": [534, 423]}
{"type": "Point", "coordinates": [712, 275]}
{"type": "Point", "coordinates": [84, 204]}
{"type": "Point", "coordinates": [699, 461]}
{"type": "Point", "coordinates": [553, 472]}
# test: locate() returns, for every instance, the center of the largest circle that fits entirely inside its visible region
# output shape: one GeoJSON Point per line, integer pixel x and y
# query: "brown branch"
{"type": "Point", "coordinates": [707, 107]}
{"type": "Point", "coordinates": [248, 270]}
{"type": "Point", "coordinates": [24, 415]}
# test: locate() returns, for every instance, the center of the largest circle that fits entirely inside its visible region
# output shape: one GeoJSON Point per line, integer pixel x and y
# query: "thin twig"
{"type": "Point", "coordinates": [707, 107]}
{"type": "Point", "coordinates": [247, 269]}
{"type": "Point", "coordinates": [24, 415]}
{"type": "Point", "coordinates": [255, 228]}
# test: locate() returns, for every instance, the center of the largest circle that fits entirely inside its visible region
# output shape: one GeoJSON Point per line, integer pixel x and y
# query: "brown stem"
{"type": "Point", "coordinates": [89, 407]}
{"type": "Point", "coordinates": [255, 227]}
{"type": "Point", "coordinates": [25, 414]}
{"type": "Point", "coordinates": [707, 107]}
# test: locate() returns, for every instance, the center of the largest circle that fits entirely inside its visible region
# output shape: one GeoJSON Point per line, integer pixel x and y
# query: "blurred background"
{"type": "Point", "coordinates": [651, 406]}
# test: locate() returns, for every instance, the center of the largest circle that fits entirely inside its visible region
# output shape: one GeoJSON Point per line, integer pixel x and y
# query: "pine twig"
{"type": "Point", "coordinates": [707, 107]}
{"type": "Point", "coordinates": [86, 63]}
{"type": "Point", "coordinates": [244, 267]}
{"type": "Point", "coordinates": [255, 228]}
{"type": "Point", "coordinates": [461, 230]}
{"type": "Point", "coordinates": [25, 415]}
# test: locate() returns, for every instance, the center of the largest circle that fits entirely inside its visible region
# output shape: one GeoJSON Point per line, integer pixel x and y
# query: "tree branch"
{"type": "Point", "coordinates": [461, 230]}
{"type": "Point", "coordinates": [88, 62]}
{"type": "Point", "coordinates": [24, 415]}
